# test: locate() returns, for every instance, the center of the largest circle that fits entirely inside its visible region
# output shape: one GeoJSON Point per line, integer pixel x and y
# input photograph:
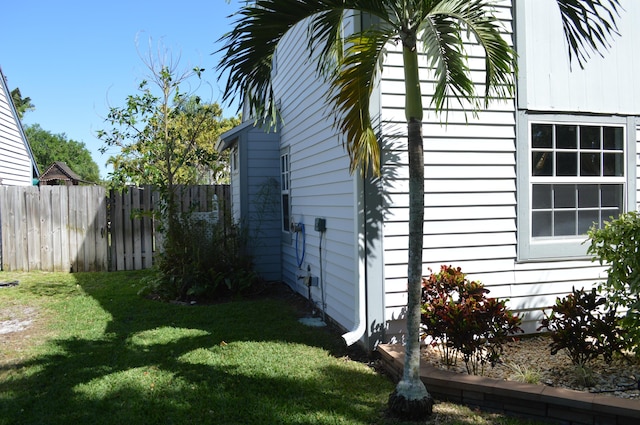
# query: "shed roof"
{"type": "Point", "coordinates": [60, 171]}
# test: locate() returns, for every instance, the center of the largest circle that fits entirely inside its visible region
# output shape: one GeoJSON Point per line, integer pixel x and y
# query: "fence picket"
{"type": "Point", "coordinates": [46, 228]}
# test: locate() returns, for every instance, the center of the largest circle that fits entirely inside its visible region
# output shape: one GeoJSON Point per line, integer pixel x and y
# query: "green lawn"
{"type": "Point", "coordinates": [97, 353]}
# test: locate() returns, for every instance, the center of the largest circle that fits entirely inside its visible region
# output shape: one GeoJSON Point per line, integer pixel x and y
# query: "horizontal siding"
{"type": "Point", "coordinates": [321, 185]}
{"type": "Point", "coordinates": [607, 84]}
{"type": "Point", "coordinates": [263, 201]}
{"type": "Point", "coordinates": [638, 166]}
{"type": "Point", "coordinates": [470, 204]}
{"type": "Point", "coordinates": [15, 162]}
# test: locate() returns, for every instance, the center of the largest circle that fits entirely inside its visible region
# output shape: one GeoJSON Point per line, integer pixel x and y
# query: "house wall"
{"type": "Point", "coordinates": [471, 179]}
{"type": "Point", "coordinates": [15, 161]}
{"type": "Point", "coordinates": [262, 203]}
{"type": "Point", "coordinates": [255, 201]}
{"type": "Point", "coordinates": [548, 82]}
{"type": "Point", "coordinates": [321, 186]}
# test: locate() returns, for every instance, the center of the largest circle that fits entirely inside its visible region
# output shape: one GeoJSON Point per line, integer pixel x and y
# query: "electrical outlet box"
{"type": "Point", "coordinates": [314, 281]}
{"type": "Point", "coordinates": [320, 224]}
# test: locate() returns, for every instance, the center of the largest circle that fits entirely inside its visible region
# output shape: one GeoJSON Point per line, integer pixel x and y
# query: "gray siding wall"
{"type": "Point", "coordinates": [471, 194]}
{"type": "Point", "coordinates": [263, 201]}
{"type": "Point", "coordinates": [550, 83]}
{"type": "Point", "coordinates": [321, 185]}
{"type": "Point", "coordinates": [15, 160]}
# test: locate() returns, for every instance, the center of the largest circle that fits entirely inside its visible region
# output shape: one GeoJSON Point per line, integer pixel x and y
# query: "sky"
{"type": "Point", "coordinates": [76, 59]}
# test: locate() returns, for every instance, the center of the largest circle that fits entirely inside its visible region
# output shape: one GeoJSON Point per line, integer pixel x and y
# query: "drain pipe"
{"type": "Point", "coordinates": [360, 327]}
{"type": "Point", "coordinates": [354, 335]}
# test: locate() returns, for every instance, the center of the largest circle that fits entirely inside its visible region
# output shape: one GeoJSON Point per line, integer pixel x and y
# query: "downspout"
{"type": "Point", "coordinates": [1, 259]}
{"type": "Point", "coordinates": [360, 249]}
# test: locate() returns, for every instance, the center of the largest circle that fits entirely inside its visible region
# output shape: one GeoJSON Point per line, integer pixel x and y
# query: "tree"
{"type": "Point", "coordinates": [48, 147]}
{"type": "Point", "coordinates": [195, 126]}
{"type": "Point", "coordinates": [163, 134]}
{"type": "Point", "coordinates": [22, 104]}
{"type": "Point", "coordinates": [351, 64]}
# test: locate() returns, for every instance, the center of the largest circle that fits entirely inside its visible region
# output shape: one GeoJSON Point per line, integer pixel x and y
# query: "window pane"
{"type": "Point", "coordinates": [611, 195]}
{"type": "Point", "coordinates": [564, 196]}
{"type": "Point", "coordinates": [588, 196]}
{"type": "Point", "coordinates": [590, 164]}
{"type": "Point", "coordinates": [586, 219]}
{"type": "Point", "coordinates": [566, 137]}
{"type": "Point", "coordinates": [608, 214]}
{"type": "Point", "coordinates": [541, 196]}
{"type": "Point", "coordinates": [613, 138]}
{"type": "Point", "coordinates": [542, 163]}
{"type": "Point", "coordinates": [590, 137]}
{"type": "Point", "coordinates": [567, 164]}
{"type": "Point", "coordinates": [541, 135]}
{"type": "Point", "coordinates": [541, 223]}
{"type": "Point", "coordinates": [564, 223]}
{"type": "Point", "coordinates": [285, 212]}
{"type": "Point", "coordinates": [613, 164]}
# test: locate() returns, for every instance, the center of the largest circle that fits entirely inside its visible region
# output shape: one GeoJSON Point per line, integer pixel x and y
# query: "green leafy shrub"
{"type": "Point", "coordinates": [579, 325]}
{"type": "Point", "coordinates": [203, 261]}
{"type": "Point", "coordinates": [617, 244]}
{"type": "Point", "coordinates": [457, 315]}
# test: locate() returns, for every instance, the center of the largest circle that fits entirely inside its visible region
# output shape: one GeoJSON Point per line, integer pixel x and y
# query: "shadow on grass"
{"type": "Point", "coordinates": [247, 362]}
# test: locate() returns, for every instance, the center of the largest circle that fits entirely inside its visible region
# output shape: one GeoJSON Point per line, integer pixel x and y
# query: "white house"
{"type": "Point", "coordinates": [509, 194]}
{"type": "Point", "coordinates": [17, 165]}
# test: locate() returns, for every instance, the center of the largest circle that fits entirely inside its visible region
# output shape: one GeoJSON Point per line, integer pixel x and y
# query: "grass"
{"type": "Point", "coordinates": [97, 353]}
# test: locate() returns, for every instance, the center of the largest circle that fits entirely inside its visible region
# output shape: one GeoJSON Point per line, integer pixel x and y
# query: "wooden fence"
{"type": "Point", "coordinates": [79, 228]}
{"type": "Point", "coordinates": [134, 235]}
{"type": "Point", "coordinates": [53, 228]}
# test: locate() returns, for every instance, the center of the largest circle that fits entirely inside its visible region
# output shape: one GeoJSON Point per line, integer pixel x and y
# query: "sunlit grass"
{"type": "Point", "coordinates": [97, 353]}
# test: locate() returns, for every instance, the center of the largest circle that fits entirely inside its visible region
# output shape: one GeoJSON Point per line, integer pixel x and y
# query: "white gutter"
{"type": "Point", "coordinates": [360, 306]}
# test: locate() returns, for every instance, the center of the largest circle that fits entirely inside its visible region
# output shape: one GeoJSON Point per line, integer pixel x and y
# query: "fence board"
{"type": "Point", "coordinates": [63, 253]}
{"type": "Point", "coordinates": [21, 236]}
{"type": "Point", "coordinates": [46, 228]}
{"type": "Point", "coordinates": [146, 204]}
{"type": "Point", "coordinates": [100, 206]}
{"type": "Point", "coordinates": [32, 220]}
{"type": "Point", "coordinates": [136, 252]}
{"type": "Point", "coordinates": [73, 231]}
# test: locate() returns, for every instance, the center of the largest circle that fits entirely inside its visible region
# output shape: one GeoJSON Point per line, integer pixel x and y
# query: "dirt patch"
{"type": "Point", "coordinates": [530, 360]}
{"type": "Point", "coordinates": [19, 319]}
{"type": "Point", "coordinates": [20, 328]}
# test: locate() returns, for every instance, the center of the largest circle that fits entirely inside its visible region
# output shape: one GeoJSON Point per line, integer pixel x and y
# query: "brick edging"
{"type": "Point", "coordinates": [558, 405]}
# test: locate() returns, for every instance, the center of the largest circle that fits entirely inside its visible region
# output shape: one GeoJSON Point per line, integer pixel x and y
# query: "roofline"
{"type": "Point", "coordinates": [227, 138]}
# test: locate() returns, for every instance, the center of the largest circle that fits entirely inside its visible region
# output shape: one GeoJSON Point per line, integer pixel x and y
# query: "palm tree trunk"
{"type": "Point", "coordinates": [411, 398]}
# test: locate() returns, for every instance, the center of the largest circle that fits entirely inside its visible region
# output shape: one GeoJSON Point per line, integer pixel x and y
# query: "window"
{"type": "Point", "coordinates": [234, 159]}
{"type": "Point", "coordinates": [577, 175]}
{"type": "Point", "coordinates": [285, 182]}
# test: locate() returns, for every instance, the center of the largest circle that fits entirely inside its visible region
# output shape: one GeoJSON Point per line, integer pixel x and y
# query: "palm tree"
{"type": "Point", "coordinates": [351, 63]}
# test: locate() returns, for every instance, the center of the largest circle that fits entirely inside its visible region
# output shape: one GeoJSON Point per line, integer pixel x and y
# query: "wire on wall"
{"type": "Point", "coordinates": [300, 257]}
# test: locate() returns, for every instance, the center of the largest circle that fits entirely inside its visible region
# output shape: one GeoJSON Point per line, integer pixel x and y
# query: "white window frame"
{"type": "Point", "coordinates": [565, 247]}
{"type": "Point", "coordinates": [285, 189]}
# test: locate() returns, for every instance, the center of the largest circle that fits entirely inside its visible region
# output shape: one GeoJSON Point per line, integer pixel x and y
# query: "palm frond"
{"type": "Point", "coordinates": [249, 47]}
{"type": "Point", "coordinates": [352, 87]}
{"type": "Point", "coordinates": [589, 26]}
{"type": "Point", "coordinates": [326, 31]}
{"type": "Point", "coordinates": [443, 45]}
{"type": "Point", "coordinates": [444, 26]}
